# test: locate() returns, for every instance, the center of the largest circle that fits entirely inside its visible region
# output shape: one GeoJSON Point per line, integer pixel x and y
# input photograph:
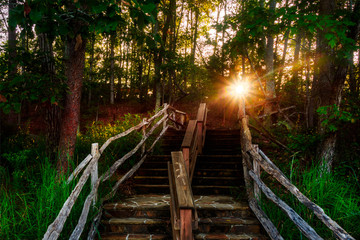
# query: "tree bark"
{"type": "Point", "coordinates": [328, 84]}
{"type": "Point", "coordinates": [269, 62]}
{"type": "Point", "coordinates": [112, 61]}
{"type": "Point", "coordinates": [71, 115]}
{"type": "Point", "coordinates": [12, 42]}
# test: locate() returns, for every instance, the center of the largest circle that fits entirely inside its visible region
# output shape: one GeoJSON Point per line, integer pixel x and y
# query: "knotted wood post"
{"type": "Point", "coordinates": [245, 148]}
{"type": "Point", "coordinates": [94, 171]}
{"type": "Point", "coordinates": [256, 169]}
{"type": "Point", "coordinates": [201, 114]}
{"type": "Point", "coordinates": [143, 130]}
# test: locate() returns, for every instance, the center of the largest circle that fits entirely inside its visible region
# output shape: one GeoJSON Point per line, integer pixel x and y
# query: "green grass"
{"type": "Point", "coordinates": [32, 193]}
{"type": "Point", "coordinates": [338, 198]}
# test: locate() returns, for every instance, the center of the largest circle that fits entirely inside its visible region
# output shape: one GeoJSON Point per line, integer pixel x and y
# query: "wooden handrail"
{"type": "Point", "coordinates": [252, 157]}
{"type": "Point", "coordinates": [90, 164]}
{"type": "Point", "coordinates": [183, 213]}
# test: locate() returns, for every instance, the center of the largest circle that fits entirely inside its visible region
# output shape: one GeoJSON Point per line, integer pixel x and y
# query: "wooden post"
{"type": "Point", "coordinates": [256, 168]}
{"type": "Point", "coordinates": [200, 136]}
{"type": "Point", "coordinates": [143, 129]}
{"type": "Point", "coordinates": [94, 171]}
{"type": "Point", "coordinates": [186, 155]}
{"type": "Point", "coordinates": [185, 224]}
{"type": "Point", "coordinates": [245, 147]}
{"type": "Point", "coordinates": [242, 112]}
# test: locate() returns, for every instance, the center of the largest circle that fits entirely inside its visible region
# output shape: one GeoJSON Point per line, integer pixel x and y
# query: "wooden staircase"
{"type": "Point", "coordinates": [216, 181]}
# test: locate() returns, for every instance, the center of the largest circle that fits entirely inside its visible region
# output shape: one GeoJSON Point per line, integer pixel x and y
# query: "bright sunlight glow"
{"type": "Point", "coordinates": [238, 89]}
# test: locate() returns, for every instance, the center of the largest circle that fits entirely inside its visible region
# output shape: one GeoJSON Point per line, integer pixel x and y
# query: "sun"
{"type": "Point", "coordinates": [238, 89]}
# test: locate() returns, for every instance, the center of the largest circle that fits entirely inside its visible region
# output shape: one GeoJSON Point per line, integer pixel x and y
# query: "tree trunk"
{"type": "Point", "coordinates": [75, 48]}
{"type": "Point", "coordinates": [328, 84]}
{"type": "Point", "coordinates": [269, 62]}
{"type": "Point", "coordinates": [52, 111]}
{"type": "Point", "coordinates": [12, 42]}
{"type": "Point", "coordinates": [112, 60]}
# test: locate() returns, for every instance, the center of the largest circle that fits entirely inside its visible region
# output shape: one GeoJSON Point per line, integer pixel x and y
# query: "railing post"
{"type": "Point", "coordinates": [256, 169]}
{"type": "Point", "coordinates": [186, 224]}
{"type": "Point", "coordinates": [186, 155]}
{"type": "Point", "coordinates": [143, 129]}
{"type": "Point", "coordinates": [200, 136]}
{"type": "Point", "coordinates": [94, 171]}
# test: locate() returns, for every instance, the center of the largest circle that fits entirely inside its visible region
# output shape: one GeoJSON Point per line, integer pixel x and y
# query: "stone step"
{"type": "Point", "coordinates": [117, 236]}
{"type": "Point", "coordinates": [151, 180]}
{"type": "Point", "coordinates": [222, 181]}
{"type": "Point", "coordinates": [221, 236]}
{"type": "Point", "coordinates": [149, 206]}
{"type": "Point", "coordinates": [136, 225]}
{"type": "Point", "coordinates": [228, 225]}
{"type": "Point", "coordinates": [209, 172]}
{"type": "Point", "coordinates": [213, 190]}
{"type": "Point", "coordinates": [152, 188]}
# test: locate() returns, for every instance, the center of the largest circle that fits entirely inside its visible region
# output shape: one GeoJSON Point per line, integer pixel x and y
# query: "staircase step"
{"type": "Point", "coordinates": [217, 172]}
{"type": "Point", "coordinates": [116, 236]}
{"type": "Point", "coordinates": [220, 236]}
{"type": "Point", "coordinates": [140, 206]}
{"type": "Point", "coordinates": [152, 188]}
{"type": "Point", "coordinates": [136, 225]}
{"type": "Point", "coordinates": [222, 181]}
{"type": "Point", "coordinates": [228, 225]}
{"type": "Point", "coordinates": [151, 179]}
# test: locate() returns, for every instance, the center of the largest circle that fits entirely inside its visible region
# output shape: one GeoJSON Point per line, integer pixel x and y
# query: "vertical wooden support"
{"type": "Point", "coordinates": [94, 172]}
{"type": "Point", "coordinates": [245, 147]}
{"type": "Point", "coordinates": [186, 155]}
{"type": "Point", "coordinates": [143, 129]}
{"type": "Point", "coordinates": [200, 126]}
{"type": "Point", "coordinates": [256, 168]}
{"type": "Point", "coordinates": [185, 224]}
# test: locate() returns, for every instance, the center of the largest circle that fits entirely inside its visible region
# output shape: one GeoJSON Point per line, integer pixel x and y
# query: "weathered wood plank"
{"type": "Point", "coordinates": [133, 169]}
{"type": "Point", "coordinates": [183, 188]}
{"type": "Point", "coordinates": [56, 227]}
{"type": "Point", "coordinates": [115, 166]}
{"type": "Point", "coordinates": [189, 134]}
{"type": "Point", "coordinates": [174, 213]}
{"type": "Point", "coordinates": [308, 231]}
{"type": "Point", "coordinates": [201, 112]}
{"type": "Point", "coordinates": [94, 172]}
{"type": "Point", "coordinates": [246, 144]}
{"type": "Point", "coordinates": [264, 220]}
{"type": "Point", "coordinates": [186, 224]}
{"type": "Point", "coordinates": [256, 169]}
{"type": "Point", "coordinates": [79, 168]}
{"type": "Point", "coordinates": [139, 126]}
{"type": "Point", "coordinates": [274, 171]}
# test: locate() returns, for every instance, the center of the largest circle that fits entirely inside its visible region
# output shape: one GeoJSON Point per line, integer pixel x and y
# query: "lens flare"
{"type": "Point", "coordinates": [238, 89]}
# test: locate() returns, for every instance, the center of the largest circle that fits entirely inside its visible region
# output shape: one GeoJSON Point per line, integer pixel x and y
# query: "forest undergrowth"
{"type": "Point", "coordinates": [337, 192]}
{"type": "Point", "coordinates": [31, 191]}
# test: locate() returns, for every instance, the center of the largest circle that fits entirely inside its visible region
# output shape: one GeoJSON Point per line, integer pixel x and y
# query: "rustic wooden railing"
{"type": "Point", "coordinates": [194, 139]}
{"type": "Point", "coordinates": [183, 212]}
{"type": "Point", "coordinates": [89, 166]}
{"type": "Point", "coordinates": [253, 159]}
{"type": "Point", "coordinates": [182, 208]}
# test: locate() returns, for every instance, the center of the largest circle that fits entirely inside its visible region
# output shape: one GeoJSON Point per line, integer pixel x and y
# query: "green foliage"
{"type": "Point", "coordinates": [31, 192]}
{"type": "Point", "coordinates": [338, 198]}
{"type": "Point", "coordinates": [333, 117]}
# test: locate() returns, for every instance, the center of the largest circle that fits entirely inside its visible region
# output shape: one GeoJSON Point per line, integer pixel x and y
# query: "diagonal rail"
{"type": "Point", "coordinates": [89, 167]}
{"type": "Point", "coordinates": [253, 159]}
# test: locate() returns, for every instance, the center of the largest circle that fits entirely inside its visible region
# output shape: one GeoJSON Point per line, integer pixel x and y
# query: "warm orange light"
{"type": "Point", "coordinates": [238, 89]}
